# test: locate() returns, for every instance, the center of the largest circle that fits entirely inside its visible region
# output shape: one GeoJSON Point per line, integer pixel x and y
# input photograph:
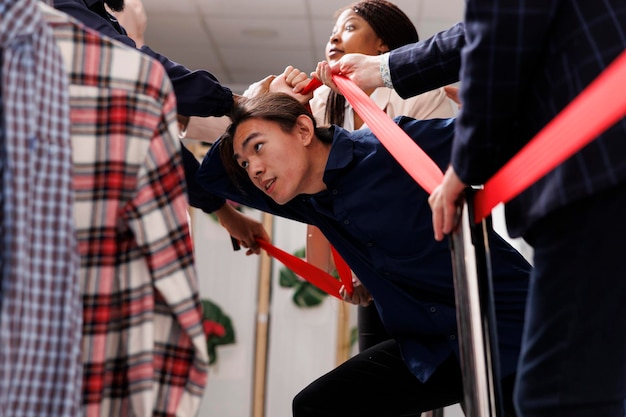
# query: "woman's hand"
{"type": "Point", "coordinates": [363, 70]}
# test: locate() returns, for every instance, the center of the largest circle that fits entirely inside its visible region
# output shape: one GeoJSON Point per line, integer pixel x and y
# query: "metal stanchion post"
{"type": "Point", "coordinates": [476, 315]}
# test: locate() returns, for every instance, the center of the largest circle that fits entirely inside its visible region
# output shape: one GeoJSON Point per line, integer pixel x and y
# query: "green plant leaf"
{"type": "Point", "coordinates": [308, 295]}
{"type": "Point", "coordinates": [287, 278]}
{"type": "Point", "coordinates": [213, 313]}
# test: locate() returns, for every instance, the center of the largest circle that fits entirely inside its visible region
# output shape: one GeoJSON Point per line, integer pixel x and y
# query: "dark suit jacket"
{"type": "Point", "coordinates": [520, 66]}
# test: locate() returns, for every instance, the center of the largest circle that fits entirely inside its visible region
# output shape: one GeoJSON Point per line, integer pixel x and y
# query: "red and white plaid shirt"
{"type": "Point", "coordinates": [144, 350]}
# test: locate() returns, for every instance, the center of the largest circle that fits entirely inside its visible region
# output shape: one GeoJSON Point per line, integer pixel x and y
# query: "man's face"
{"type": "Point", "coordinates": [115, 5]}
{"type": "Point", "coordinates": [274, 160]}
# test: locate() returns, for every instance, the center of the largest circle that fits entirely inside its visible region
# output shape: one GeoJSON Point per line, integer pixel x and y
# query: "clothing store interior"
{"type": "Point", "coordinates": [235, 335]}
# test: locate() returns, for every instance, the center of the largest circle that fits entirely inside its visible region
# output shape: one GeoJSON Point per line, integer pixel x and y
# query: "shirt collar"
{"type": "Point", "coordinates": [341, 154]}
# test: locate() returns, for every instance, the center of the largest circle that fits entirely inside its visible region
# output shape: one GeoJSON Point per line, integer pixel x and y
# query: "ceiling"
{"type": "Point", "coordinates": [242, 41]}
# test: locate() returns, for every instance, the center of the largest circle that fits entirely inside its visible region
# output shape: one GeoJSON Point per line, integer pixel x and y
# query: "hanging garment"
{"type": "Point", "coordinates": [144, 350]}
{"type": "Point", "coordinates": [40, 318]}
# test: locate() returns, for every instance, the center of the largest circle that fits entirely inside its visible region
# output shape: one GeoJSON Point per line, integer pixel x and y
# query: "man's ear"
{"type": "Point", "coordinates": [305, 129]}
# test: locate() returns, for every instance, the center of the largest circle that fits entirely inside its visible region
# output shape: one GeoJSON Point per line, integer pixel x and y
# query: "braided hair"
{"type": "Point", "coordinates": [390, 24]}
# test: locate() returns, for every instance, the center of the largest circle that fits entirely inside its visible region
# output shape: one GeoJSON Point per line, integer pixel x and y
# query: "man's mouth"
{"type": "Point", "coordinates": [268, 184]}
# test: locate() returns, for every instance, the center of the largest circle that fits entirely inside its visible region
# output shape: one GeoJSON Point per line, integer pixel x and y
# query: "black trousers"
{"type": "Point", "coordinates": [573, 359]}
{"type": "Point", "coordinates": [370, 327]}
{"type": "Point", "coordinates": [377, 383]}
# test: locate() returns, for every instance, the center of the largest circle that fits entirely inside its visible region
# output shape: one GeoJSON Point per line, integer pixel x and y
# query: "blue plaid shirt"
{"type": "Point", "coordinates": [40, 319]}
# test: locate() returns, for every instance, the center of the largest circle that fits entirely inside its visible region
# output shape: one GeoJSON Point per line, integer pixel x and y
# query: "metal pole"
{"type": "Point", "coordinates": [476, 315]}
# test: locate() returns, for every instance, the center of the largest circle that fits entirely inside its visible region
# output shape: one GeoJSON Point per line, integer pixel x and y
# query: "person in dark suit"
{"type": "Point", "coordinates": [519, 66]}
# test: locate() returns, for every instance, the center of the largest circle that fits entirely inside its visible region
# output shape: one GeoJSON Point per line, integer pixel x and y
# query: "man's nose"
{"type": "Point", "coordinates": [256, 168]}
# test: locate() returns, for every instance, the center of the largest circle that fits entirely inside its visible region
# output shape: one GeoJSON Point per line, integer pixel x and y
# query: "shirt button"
{"type": "Point", "coordinates": [452, 337]}
{"type": "Point", "coordinates": [433, 309]}
{"type": "Point", "coordinates": [370, 244]}
{"type": "Point", "coordinates": [335, 192]}
{"type": "Point", "coordinates": [346, 221]}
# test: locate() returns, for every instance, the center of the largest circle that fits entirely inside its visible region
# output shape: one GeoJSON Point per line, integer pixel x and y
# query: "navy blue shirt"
{"type": "Point", "coordinates": [379, 220]}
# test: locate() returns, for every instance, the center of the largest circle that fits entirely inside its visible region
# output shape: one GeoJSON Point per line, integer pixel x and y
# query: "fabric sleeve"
{"type": "Point", "coordinates": [503, 46]}
{"type": "Point", "coordinates": [198, 196]}
{"type": "Point", "coordinates": [429, 64]}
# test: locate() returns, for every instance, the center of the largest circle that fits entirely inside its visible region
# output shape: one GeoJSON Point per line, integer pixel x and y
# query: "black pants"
{"type": "Point", "coordinates": [370, 327]}
{"type": "Point", "coordinates": [573, 359]}
{"type": "Point", "coordinates": [377, 383]}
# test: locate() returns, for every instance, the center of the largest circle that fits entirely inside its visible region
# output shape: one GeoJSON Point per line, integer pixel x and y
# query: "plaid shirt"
{"type": "Point", "coordinates": [40, 322]}
{"type": "Point", "coordinates": [144, 350]}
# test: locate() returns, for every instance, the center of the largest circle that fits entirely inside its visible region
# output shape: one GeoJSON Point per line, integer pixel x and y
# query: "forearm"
{"type": "Point", "coordinates": [198, 93]}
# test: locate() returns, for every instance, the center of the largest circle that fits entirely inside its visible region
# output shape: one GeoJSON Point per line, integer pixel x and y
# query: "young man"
{"type": "Point", "coordinates": [274, 157]}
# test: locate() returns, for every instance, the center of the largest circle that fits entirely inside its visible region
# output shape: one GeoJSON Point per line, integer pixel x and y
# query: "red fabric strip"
{"type": "Point", "coordinates": [345, 274]}
{"type": "Point", "coordinates": [408, 154]}
{"type": "Point", "coordinates": [311, 273]}
{"type": "Point", "coordinates": [312, 85]}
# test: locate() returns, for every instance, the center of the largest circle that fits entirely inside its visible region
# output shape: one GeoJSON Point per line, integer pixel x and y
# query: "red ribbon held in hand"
{"type": "Point", "coordinates": [322, 280]}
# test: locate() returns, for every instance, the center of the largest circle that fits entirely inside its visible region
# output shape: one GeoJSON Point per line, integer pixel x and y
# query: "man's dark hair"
{"type": "Point", "coordinates": [276, 107]}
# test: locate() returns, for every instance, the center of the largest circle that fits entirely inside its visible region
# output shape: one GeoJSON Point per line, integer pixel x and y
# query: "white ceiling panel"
{"type": "Point", "coordinates": [242, 41]}
{"type": "Point", "coordinates": [248, 8]}
{"type": "Point", "coordinates": [443, 10]}
{"type": "Point", "coordinates": [265, 33]}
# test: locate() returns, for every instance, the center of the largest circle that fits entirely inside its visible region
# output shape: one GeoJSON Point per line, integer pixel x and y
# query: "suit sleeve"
{"type": "Point", "coordinates": [429, 64]}
{"type": "Point", "coordinates": [503, 50]}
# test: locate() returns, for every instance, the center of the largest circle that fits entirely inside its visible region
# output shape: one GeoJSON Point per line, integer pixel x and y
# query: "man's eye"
{"type": "Point", "coordinates": [244, 164]}
{"type": "Point", "coordinates": [258, 146]}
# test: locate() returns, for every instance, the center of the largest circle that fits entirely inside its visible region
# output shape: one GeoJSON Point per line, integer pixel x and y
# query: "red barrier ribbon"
{"type": "Point", "coordinates": [344, 271]}
{"type": "Point", "coordinates": [408, 154]}
{"type": "Point", "coordinates": [597, 107]}
{"type": "Point", "coordinates": [322, 280]}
